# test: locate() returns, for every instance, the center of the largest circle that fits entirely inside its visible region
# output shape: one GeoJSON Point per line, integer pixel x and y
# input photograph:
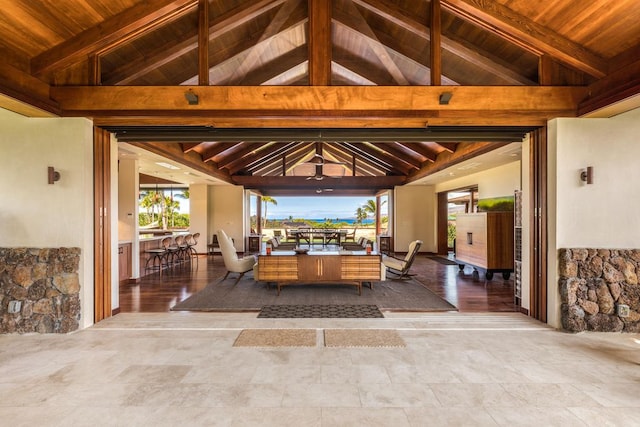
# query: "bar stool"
{"type": "Point", "coordinates": [174, 250]}
{"type": "Point", "coordinates": [191, 247]}
{"type": "Point", "coordinates": [159, 255]}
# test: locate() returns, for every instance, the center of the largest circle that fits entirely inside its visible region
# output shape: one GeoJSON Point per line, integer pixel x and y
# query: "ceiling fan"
{"type": "Point", "coordinates": [323, 168]}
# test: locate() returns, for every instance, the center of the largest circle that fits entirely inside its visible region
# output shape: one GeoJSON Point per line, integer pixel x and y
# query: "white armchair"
{"type": "Point", "coordinates": [232, 263]}
{"type": "Point", "coordinates": [401, 266]}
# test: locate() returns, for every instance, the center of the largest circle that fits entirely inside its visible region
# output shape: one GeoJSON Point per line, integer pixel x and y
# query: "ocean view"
{"type": "Point", "coordinates": [350, 221]}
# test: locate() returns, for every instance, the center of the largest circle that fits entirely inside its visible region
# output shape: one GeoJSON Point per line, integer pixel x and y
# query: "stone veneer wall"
{"type": "Point", "coordinates": [593, 282]}
{"type": "Point", "coordinates": [47, 284]}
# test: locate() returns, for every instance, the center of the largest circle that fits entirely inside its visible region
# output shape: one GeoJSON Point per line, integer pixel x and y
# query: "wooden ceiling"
{"type": "Point", "coordinates": [273, 82]}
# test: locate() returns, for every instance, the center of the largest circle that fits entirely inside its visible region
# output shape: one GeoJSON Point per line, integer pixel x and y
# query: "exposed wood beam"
{"type": "Point", "coordinates": [401, 19]}
{"type": "Point", "coordinates": [400, 156]}
{"type": "Point", "coordinates": [527, 34]}
{"type": "Point", "coordinates": [392, 164]}
{"type": "Point", "coordinates": [275, 68]}
{"type": "Point", "coordinates": [203, 42]}
{"type": "Point", "coordinates": [169, 52]}
{"type": "Point", "coordinates": [363, 68]}
{"type": "Point", "coordinates": [436, 41]}
{"type": "Point", "coordinates": [25, 94]}
{"type": "Point", "coordinates": [617, 86]}
{"type": "Point", "coordinates": [210, 153]}
{"type": "Point", "coordinates": [356, 161]}
{"type": "Point", "coordinates": [353, 20]}
{"type": "Point", "coordinates": [423, 150]}
{"type": "Point", "coordinates": [192, 159]}
{"type": "Point", "coordinates": [445, 159]}
{"type": "Point", "coordinates": [268, 156]}
{"type": "Point", "coordinates": [111, 33]}
{"type": "Point", "coordinates": [236, 154]}
{"type": "Point", "coordinates": [189, 146]}
{"type": "Point", "coordinates": [265, 40]}
{"type": "Point", "coordinates": [448, 146]}
{"type": "Point", "coordinates": [319, 42]}
{"type": "Point", "coordinates": [300, 182]}
{"type": "Point", "coordinates": [261, 104]}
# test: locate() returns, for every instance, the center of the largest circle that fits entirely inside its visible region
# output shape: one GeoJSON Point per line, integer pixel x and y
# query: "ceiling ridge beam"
{"type": "Point", "coordinates": [398, 17]}
{"type": "Point", "coordinates": [110, 33]}
{"type": "Point", "coordinates": [527, 34]}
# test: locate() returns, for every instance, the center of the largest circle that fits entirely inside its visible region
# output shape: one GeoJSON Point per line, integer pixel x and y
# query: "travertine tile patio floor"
{"type": "Point", "coordinates": [166, 369]}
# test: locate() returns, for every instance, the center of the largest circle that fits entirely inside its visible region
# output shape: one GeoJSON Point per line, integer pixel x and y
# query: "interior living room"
{"type": "Point", "coordinates": [441, 108]}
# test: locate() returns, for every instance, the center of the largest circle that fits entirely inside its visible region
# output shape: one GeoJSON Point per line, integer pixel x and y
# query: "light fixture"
{"type": "Point", "coordinates": [52, 175]}
{"type": "Point", "coordinates": [445, 97]}
{"type": "Point", "coordinates": [587, 175]}
{"type": "Point", "coordinates": [191, 97]}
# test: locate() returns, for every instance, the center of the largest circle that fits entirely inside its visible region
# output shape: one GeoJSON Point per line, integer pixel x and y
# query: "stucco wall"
{"type": "Point", "coordinates": [38, 215]}
{"type": "Point", "coordinates": [226, 211]}
{"type": "Point", "coordinates": [414, 212]}
{"type": "Point", "coordinates": [601, 215]}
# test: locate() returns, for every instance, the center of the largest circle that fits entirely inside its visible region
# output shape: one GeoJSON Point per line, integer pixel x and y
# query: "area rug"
{"type": "Point", "coordinates": [362, 338]}
{"type": "Point", "coordinates": [249, 295]}
{"type": "Point", "coordinates": [276, 338]}
{"type": "Point", "coordinates": [321, 311]}
{"type": "Point", "coordinates": [442, 260]}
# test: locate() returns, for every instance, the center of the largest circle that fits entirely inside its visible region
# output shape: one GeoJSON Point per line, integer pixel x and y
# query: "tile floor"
{"type": "Point", "coordinates": [457, 369]}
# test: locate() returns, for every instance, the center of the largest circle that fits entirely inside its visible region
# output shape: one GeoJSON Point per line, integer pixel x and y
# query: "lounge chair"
{"type": "Point", "coordinates": [360, 245]}
{"type": "Point", "coordinates": [232, 263]}
{"type": "Point", "coordinates": [400, 266]}
{"type": "Point", "coordinates": [278, 245]}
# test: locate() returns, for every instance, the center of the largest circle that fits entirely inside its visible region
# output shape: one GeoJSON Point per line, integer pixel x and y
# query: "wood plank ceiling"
{"type": "Point", "coordinates": [250, 91]}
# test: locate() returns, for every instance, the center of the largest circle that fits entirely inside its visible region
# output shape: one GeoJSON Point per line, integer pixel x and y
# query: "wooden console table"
{"type": "Point", "coordinates": [287, 268]}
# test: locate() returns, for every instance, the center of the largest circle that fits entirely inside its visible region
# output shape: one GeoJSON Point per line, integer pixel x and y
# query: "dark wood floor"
{"type": "Point", "coordinates": [467, 291]}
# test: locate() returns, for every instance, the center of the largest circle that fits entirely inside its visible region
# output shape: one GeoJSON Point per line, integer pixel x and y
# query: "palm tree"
{"type": "Point", "coordinates": [361, 215]}
{"type": "Point", "coordinates": [265, 200]}
{"type": "Point", "coordinates": [370, 206]}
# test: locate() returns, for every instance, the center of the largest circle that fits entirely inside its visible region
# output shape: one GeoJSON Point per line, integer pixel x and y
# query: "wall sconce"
{"type": "Point", "coordinates": [587, 175]}
{"type": "Point", "coordinates": [445, 97]}
{"type": "Point", "coordinates": [191, 97]}
{"type": "Point", "coordinates": [53, 175]}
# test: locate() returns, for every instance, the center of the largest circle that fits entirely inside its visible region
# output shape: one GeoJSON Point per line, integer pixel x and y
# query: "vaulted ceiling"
{"type": "Point", "coordinates": [248, 92]}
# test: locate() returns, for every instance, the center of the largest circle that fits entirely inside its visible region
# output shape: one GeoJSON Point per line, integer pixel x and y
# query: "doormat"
{"type": "Point", "coordinates": [442, 260]}
{"type": "Point", "coordinates": [276, 338]}
{"type": "Point", "coordinates": [362, 338]}
{"type": "Point", "coordinates": [322, 311]}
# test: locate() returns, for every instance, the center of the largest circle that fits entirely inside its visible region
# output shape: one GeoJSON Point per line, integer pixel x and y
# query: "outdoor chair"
{"type": "Point", "coordinates": [232, 263]}
{"type": "Point", "coordinates": [360, 245]}
{"type": "Point", "coordinates": [350, 236]}
{"type": "Point", "coordinates": [400, 266]}
{"type": "Point", "coordinates": [277, 245]}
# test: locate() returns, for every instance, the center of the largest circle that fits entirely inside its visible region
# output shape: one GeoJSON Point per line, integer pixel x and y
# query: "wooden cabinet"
{"type": "Point", "coordinates": [254, 243]}
{"type": "Point", "coordinates": [384, 244]}
{"type": "Point", "coordinates": [124, 261]}
{"type": "Point", "coordinates": [485, 240]}
{"type": "Point", "coordinates": [328, 269]}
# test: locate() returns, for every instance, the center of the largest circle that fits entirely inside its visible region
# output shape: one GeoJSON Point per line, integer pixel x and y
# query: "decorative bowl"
{"type": "Point", "coordinates": [301, 251]}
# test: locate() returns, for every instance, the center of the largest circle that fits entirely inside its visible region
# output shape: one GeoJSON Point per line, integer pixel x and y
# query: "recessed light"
{"type": "Point", "coordinates": [167, 165]}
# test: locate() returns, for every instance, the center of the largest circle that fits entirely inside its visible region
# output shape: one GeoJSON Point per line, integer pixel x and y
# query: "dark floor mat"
{"type": "Point", "coordinates": [442, 260]}
{"type": "Point", "coordinates": [339, 311]}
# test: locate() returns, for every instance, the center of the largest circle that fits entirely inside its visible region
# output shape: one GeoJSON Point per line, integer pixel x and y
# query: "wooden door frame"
{"type": "Point", "coordinates": [538, 224]}
{"type": "Point", "coordinates": [101, 224]}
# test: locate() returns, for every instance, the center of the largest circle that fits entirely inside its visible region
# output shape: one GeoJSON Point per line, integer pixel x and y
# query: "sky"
{"type": "Point", "coordinates": [315, 207]}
